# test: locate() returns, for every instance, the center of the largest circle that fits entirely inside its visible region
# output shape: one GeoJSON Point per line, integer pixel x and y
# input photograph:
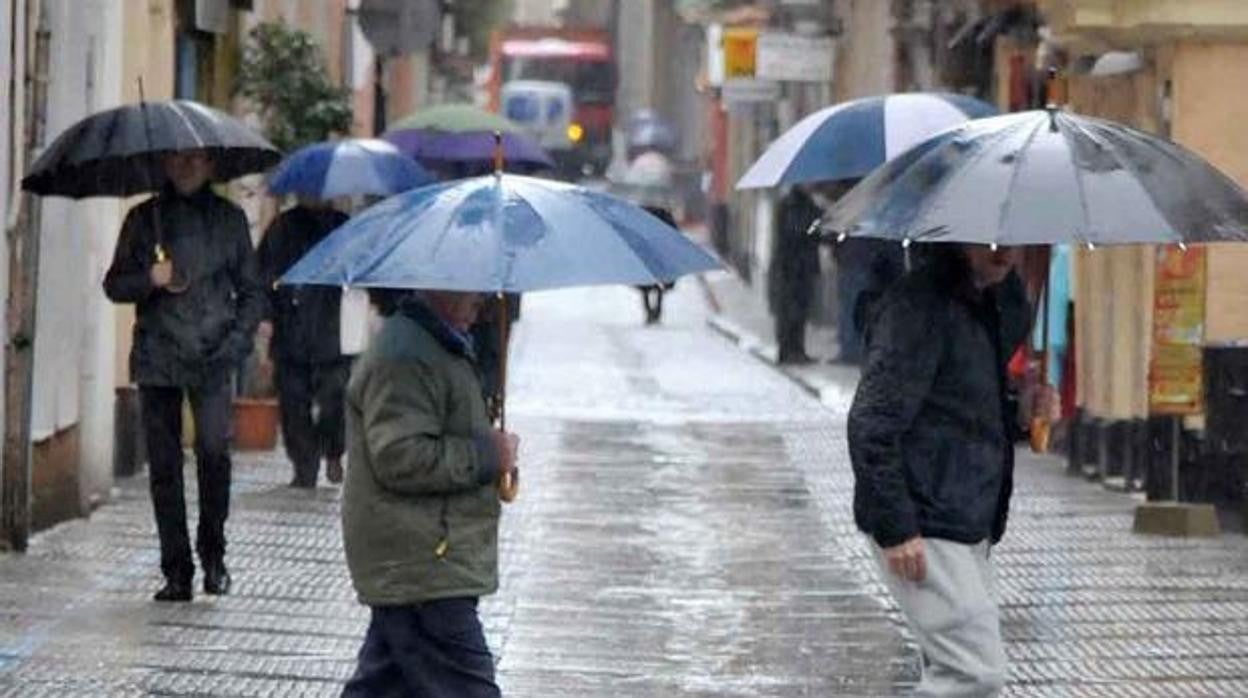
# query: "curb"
{"type": "Point", "coordinates": [830, 393]}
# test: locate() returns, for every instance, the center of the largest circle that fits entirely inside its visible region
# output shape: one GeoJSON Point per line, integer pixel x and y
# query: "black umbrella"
{"type": "Point", "coordinates": [117, 152]}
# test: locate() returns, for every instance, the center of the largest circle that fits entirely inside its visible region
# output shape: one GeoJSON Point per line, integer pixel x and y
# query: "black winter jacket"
{"type": "Point", "coordinates": [931, 431]}
{"type": "Point", "coordinates": [194, 338]}
{"type": "Point", "coordinates": [305, 318]}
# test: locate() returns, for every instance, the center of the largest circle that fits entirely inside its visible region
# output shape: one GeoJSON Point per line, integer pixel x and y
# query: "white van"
{"type": "Point", "coordinates": [545, 111]}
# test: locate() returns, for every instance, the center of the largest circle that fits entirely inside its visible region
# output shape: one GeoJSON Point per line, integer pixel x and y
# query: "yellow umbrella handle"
{"type": "Point", "coordinates": [509, 486]}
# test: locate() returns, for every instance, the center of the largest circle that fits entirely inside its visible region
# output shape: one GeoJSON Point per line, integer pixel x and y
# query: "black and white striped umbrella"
{"type": "Point", "coordinates": [118, 152]}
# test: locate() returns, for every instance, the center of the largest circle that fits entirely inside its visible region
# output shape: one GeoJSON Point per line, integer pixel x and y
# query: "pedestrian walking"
{"type": "Point", "coordinates": [652, 295]}
{"type": "Point", "coordinates": [420, 503]}
{"type": "Point", "coordinates": [931, 435]}
{"type": "Point", "coordinates": [184, 259]}
{"type": "Point", "coordinates": [306, 346]}
{"type": "Point", "coordinates": [793, 272]}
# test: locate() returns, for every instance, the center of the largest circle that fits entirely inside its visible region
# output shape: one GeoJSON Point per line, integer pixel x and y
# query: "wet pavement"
{"type": "Point", "coordinates": [683, 529]}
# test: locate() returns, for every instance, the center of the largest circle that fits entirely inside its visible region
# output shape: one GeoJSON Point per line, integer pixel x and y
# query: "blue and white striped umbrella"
{"type": "Point", "coordinates": [849, 140]}
{"type": "Point", "coordinates": [347, 168]}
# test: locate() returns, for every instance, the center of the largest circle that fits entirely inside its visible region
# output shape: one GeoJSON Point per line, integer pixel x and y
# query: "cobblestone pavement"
{"type": "Point", "coordinates": [683, 529]}
{"type": "Point", "coordinates": [1088, 608]}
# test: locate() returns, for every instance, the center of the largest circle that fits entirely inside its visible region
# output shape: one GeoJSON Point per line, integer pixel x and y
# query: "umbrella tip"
{"type": "Point", "coordinates": [498, 153]}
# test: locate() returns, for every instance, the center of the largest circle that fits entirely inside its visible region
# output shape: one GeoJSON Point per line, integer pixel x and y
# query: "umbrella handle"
{"type": "Point", "coordinates": [162, 256]}
{"type": "Point", "coordinates": [509, 486]}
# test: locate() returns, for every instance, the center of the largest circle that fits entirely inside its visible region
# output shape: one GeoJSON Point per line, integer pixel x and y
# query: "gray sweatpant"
{"type": "Point", "coordinates": [953, 614]}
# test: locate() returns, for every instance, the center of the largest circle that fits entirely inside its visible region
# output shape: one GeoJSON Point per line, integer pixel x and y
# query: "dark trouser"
{"type": "Point", "coordinates": [652, 301]}
{"type": "Point", "coordinates": [791, 328]}
{"type": "Point", "coordinates": [311, 398]}
{"type": "Point", "coordinates": [162, 426]}
{"type": "Point", "coordinates": [435, 650]}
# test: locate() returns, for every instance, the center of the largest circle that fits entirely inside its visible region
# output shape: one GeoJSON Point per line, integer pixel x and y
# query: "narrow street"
{"type": "Point", "coordinates": [683, 529]}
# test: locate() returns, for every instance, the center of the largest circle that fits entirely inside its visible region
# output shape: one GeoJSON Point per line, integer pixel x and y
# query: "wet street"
{"type": "Point", "coordinates": [683, 529]}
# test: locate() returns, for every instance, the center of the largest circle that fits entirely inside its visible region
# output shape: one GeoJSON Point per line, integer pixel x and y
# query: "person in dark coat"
{"type": "Point", "coordinates": [652, 295]}
{"type": "Point", "coordinates": [931, 435]}
{"type": "Point", "coordinates": [793, 272]}
{"type": "Point", "coordinates": [306, 348]}
{"type": "Point", "coordinates": [185, 260]}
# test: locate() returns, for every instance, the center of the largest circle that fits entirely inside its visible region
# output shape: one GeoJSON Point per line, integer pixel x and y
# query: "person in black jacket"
{"type": "Point", "coordinates": [793, 272]}
{"type": "Point", "coordinates": [184, 258]}
{"type": "Point", "coordinates": [306, 347]}
{"type": "Point", "coordinates": [931, 441]}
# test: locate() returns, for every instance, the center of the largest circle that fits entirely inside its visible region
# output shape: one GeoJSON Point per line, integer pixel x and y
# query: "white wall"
{"type": "Point", "coordinates": [75, 335]}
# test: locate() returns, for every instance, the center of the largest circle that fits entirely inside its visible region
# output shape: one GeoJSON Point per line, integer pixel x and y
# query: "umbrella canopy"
{"type": "Point", "coordinates": [501, 233]}
{"type": "Point", "coordinates": [347, 168]}
{"type": "Point", "coordinates": [455, 118]}
{"type": "Point", "coordinates": [1044, 177]}
{"type": "Point", "coordinates": [648, 181]}
{"type": "Point", "coordinates": [849, 140]}
{"type": "Point", "coordinates": [649, 131]}
{"type": "Point", "coordinates": [117, 152]}
{"type": "Point", "coordinates": [462, 133]}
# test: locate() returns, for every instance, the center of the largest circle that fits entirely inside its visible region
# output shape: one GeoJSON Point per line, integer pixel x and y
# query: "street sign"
{"type": "Point", "coordinates": [397, 27]}
{"type": "Point", "coordinates": [793, 58]}
{"type": "Point", "coordinates": [749, 90]}
{"type": "Point", "coordinates": [740, 45]}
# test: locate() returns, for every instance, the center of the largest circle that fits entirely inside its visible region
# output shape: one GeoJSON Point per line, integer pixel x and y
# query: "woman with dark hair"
{"type": "Point", "coordinates": [931, 436]}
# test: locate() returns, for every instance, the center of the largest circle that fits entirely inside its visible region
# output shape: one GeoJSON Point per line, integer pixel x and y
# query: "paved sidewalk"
{"type": "Point", "coordinates": [1089, 608]}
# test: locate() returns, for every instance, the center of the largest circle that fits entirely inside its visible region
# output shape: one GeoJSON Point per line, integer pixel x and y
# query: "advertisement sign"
{"type": "Point", "coordinates": [1175, 372]}
{"type": "Point", "coordinates": [793, 58]}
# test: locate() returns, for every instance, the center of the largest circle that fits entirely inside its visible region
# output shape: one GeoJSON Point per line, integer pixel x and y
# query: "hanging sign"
{"type": "Point", "coordinates": [740, 52]}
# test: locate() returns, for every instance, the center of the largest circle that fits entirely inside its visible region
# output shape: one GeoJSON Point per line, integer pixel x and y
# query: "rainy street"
{"type": "Point", "coordinates": [683, 529]}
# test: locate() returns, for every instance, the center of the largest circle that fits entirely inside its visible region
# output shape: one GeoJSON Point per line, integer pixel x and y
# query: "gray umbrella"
{"type": "Point", "coordinates": [117, 152]}
{"type": "Point", "coordinates": [1044, 177]}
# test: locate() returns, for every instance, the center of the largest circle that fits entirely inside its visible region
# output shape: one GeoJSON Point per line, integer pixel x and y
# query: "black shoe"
{"type": "Point", "coordinates": [216, 580]}
{"type": "Point", "coordinates": [302, 484]}
{"type": "Point", "coordinates": [174, 591]}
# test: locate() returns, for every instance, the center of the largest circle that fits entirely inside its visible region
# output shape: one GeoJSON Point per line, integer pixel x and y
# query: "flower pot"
{"type": "Point", "coordinates": [255, 424]}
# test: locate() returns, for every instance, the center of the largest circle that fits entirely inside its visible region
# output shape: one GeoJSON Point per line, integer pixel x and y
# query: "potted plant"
{"type": "Point", "coordinates": [256, 412]}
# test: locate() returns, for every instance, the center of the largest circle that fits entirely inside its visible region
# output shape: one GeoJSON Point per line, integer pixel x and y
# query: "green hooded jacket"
{"type": "Point", "coordinates": [420, 509]}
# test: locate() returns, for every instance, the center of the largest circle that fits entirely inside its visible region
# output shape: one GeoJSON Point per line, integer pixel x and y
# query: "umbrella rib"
{"type": "Point", "coordinates": [928, 201]}
{"type": "Point", "coordinates": [1014, 176]}
{"type": "Point", "coordinates": [177, 110]}
{"type": "Point", "coordinates": [1135, 174]}
{"type": "Point", "coordinates": [1083, 196]}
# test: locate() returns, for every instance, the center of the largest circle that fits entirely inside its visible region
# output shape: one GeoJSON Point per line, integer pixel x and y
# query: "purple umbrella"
{"type": "Point", "coordinates": [435, 148]}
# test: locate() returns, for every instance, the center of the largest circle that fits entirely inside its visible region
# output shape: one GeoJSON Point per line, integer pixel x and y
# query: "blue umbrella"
{"type": "Point", "coordinates": [501, 233]}
{"type": "Point", "coordinates": [347, 168]}
{"type": "Point", "coordinates": [849, 140]}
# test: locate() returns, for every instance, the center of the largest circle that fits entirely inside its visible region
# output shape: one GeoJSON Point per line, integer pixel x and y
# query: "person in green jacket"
{"type": "Point", "coordinates": [420, 505]}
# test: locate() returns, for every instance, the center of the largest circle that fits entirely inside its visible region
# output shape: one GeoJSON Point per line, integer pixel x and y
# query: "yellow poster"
{"type": "Point", "coordinates": [740, 52]}
{"type": "Point", "coordinates": [1175, 375]}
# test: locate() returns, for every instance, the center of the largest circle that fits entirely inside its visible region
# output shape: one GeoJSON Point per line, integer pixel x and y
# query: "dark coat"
{"type": "Point", "coordinates": [306, 319]}
{"type": "Point", "coordinates": [194, 338]}
{"type": "Point", "coordinates": [795, 255]}
{"type": "Point", "coordinates": [931, 430]}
